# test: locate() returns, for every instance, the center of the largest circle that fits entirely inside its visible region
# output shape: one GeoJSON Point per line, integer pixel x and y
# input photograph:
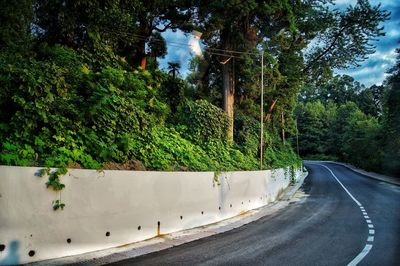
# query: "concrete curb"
{"type": "Point", "coordinates": [372, 175]}
{"type": "Point", "coordinates": [133, 250]}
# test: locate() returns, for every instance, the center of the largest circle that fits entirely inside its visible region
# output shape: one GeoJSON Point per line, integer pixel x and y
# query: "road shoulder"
{"type": "Point", "coordinates": [380, 177]}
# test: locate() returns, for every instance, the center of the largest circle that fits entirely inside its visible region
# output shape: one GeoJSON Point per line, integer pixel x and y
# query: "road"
{"type": "Point", "coordinates": [327, 226]}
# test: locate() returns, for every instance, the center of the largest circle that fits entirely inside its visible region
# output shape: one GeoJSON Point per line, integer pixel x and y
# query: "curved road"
{"type": "Point", "coordinates": [342, 219]}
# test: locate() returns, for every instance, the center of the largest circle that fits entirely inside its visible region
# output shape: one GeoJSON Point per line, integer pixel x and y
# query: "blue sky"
{"type": "Point", "coordinates": [178, 50]}
{"type": "Point", "coordinates": [372, 71]}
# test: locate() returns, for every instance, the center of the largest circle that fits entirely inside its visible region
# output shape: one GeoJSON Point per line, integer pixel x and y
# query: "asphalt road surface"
{"type": "Point", "coordinates": [342, 218]}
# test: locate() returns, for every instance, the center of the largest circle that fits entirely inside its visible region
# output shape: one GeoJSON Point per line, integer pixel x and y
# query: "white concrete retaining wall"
{"type": "Point", "coordinates": [113, 208]}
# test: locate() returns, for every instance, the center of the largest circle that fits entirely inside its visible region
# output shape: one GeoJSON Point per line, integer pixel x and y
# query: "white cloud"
{"type": "Point", "coordinates": [194, 43]}
{"type": "Point", "coordinates": [178, 50]}
{"type": "Point", "coordinates": [393, 33]}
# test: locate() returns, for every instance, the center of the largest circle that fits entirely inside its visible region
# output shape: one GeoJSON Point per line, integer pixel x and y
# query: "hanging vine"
{"type": "Point", "coordinates": [54, 183]}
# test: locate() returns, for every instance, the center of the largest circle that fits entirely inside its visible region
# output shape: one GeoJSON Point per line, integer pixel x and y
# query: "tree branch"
{"type": "Point", "coordinates": [310, 64]}
{"type": "Point", "coordinates": [164, 29]}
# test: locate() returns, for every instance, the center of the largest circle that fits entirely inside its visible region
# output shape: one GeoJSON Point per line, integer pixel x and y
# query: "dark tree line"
{"type": "Point", "coordinates": [343, 120]}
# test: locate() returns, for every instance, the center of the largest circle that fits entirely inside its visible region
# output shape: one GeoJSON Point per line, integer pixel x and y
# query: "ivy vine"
{"type": "Point", "coordinates": [54, 183]}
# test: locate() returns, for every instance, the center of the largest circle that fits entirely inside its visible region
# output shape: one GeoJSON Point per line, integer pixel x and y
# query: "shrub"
{"type": "Point", "coordinates": [247, 134]}
{"type": "Point", "coordinates": [204, 121]}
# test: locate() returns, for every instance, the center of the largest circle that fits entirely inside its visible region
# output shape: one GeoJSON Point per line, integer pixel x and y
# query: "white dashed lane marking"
{"type": "Point", "coordinates": [371, 232]}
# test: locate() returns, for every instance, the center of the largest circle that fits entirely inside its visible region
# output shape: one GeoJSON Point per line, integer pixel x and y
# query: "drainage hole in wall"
{"type": "Point", "coordinates": [181, 217]}
{"type": "Point", "coordinates": [31, 253]}
{"type": "Point", "coordinates": [202, 212]}
{"type": "Point", "coordinates": [260, 198]}
{"type": "Point", "coordinates": [158, 223]}
{"type": "Point", "coordinates": [231, 205]}
{"type": "Point", "coordinates": [107, 233]}
{"type": "Point", "coordinates": [242, 202]}
{"type": "Point", "coordinates": [69, 240]}
{"type": "Point", "coordinates": [139, 227]}
{"type": "Point", "coordinates": [2, 247]}
{"type": "Point", "coordinates": [249, 200]}
{"type": "Point", "coordinates": [219, 208]}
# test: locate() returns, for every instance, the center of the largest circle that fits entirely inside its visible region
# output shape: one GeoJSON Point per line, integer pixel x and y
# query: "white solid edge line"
{"type": "Point", "coordinates": [367, 247]}
{"type": "Point", "coordinates": [371, 231]}
{"type": "Point", "coordinates": [360, 256]}
{"type": "Point", "coordinates": [345, 189]}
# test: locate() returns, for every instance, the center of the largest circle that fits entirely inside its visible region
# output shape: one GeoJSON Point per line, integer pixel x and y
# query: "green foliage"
{"type": "Point", "coordinates": [311, 126]}
{"type": "Point", "coordinates": [172, 90]}
{"type": "Point", "coordinates": [15, 24]}
{"type": "Point", "coordinates": [16, 154]}
{"type": "Point", "coordinates": [351, 131]}
{"type": "Point", "coordinates": [247, 134]}
{"type": "Point", "coordinates": [54, 183]}
{"type": "Point", "coordinates": [73, 98]}
{"type": "Point", "coordinates": [204, 121]}
{"type": "Point", "coordinates": [391, 121]}
{"type": "Point", "coordinates": [349, 134]}
{"type": "Point", "coordinates": [165, 149]}
{"type": "Point", "coordinates": [57, 204]}
{"type": "Point", "coordinates": [227, 158]}
{"type": "Point", "coordinates": [57, 106]}
{"type": "Point", "coordinates": [277, 154]}
{"type": "Point", "coordinates": [345, 39]}
{"type": "Point", "coordinates": [68, 110]}
{"type": "Point", "coordinates": [321, 157]}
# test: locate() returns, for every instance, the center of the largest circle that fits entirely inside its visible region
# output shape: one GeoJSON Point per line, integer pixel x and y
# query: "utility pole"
{"type": "Point", "coordinates": [283, 127]}
{"type": "Point", "coordinates": [262, 110]}
{"type": "Point", "coordinates": [297, 139]}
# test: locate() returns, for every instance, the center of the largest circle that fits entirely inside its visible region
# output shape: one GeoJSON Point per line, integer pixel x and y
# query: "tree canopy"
{"type": "Point", "coordinates": [80, 82]}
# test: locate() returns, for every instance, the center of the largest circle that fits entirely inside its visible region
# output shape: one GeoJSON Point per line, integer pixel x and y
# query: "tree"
{"type": "Point", "coordinates": [159, 16]}
{"type": "Point", "coordinates": [338, 89]}
{"type": "Point", "coordinates": [392, 120]}
{"type": "Point", "coordinates": [370, 100]}
{"type": "Point", "coordinates": [85, 23]}
{"type": "Point", "coordinates": [173, 68]}
{"type": "Point", "coordinates": [312, 130]}
{"type": "Point", "coordinates": [16, 19]}
{"type": "Point", "coordinates": [346, 39]}
{"type": "Point", "coordinates": [125, 26]}
{"type": "Point", "coordinates": [232, 25]}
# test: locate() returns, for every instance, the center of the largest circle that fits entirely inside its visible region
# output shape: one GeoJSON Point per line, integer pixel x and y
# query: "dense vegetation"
{"type": "Point", "coordinates": [80, 84]}
{"type": "Point", "coordinates": [343, 120]}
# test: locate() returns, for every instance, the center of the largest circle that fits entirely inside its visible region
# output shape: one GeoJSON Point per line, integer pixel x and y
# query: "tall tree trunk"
{"type": "Point", "coordinates": [142, 55]}
{"type": "Point", "coordinates": [228, 82]}
{"type": "Point", "coordinates": [228, 75]}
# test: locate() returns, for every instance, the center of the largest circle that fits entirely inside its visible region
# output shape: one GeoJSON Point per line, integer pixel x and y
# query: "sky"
{"type": "Point", "coordinates": [372, 71]}
{"type": "Point", "coordinates": [178, 50]}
